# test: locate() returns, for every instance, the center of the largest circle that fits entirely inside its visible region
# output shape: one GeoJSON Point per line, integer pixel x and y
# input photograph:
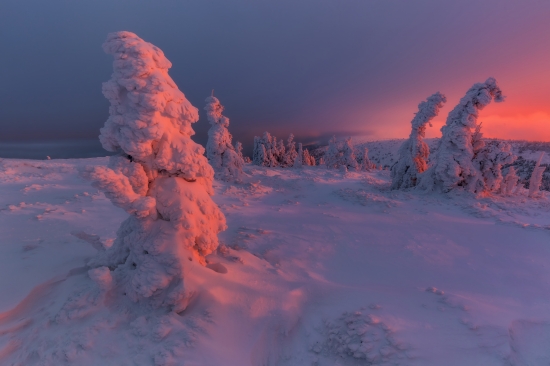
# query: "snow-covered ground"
{"type": "Point", "coordinates": [315, 268]}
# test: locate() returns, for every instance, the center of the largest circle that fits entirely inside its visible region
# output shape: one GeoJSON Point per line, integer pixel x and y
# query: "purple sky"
{"type": "Point", "coordinates": [315, 68]}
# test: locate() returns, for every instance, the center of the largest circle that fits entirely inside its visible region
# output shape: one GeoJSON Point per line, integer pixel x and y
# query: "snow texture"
{"type": "Point", "coordinates": [160, 177]}
{"type": "Point", "coordinates": [361, 337]}
{"type": "Point", "coordinates": [414, 153]}
{"type": "Point", "coordinates": [454, 164]}
{"type": "Point", "coordinates": [221, 154]}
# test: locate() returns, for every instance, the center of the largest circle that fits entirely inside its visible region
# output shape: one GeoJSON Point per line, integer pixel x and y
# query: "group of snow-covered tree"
{"type": "Point", "coordinates": [340, 154]}
{"type": "Point", "coordinates": [464, 158]}
{"type": "Point", "coordinates": [270, 152]}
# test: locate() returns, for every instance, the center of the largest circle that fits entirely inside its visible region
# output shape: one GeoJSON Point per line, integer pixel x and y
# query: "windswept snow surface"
{"type": "Point", "coordinates": [317, 267]}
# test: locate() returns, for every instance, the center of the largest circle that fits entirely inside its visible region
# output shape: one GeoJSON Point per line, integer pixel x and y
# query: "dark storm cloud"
{"type": "Point", "coordinates": [315, 68]}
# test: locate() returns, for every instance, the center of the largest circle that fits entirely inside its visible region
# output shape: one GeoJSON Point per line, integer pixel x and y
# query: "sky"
{"type": "Point", "coordinates": [315, 68]}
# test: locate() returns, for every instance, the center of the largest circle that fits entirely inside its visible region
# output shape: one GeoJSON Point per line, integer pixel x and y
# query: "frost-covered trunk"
{"type": "Point", "coordinates": [454, 162]}
{"type": "Point", "coordinates": [414, 153]}
{"type": "Point", "coordinates": [160, 177]}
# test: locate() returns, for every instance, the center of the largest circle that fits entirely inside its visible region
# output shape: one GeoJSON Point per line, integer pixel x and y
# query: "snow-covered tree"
{"type": "Point", "coordinates": [489, 158]}
{"type": "Point", "coordinates": [333, 156]}
{"type": "Point", "coordinates": [308, 158]}
{"type": "Point", "coordinates": [221, 154]}
{"type": "Point", "coordinates": [266, 150]}
{"type": "Point", "coordinates": [453, 165]}
{"type": "Point", "coordinates": [160, 177]}
{"type": "Point", "coordinates": [280, 153]}
{"type": "Point", "coordinates": [290, 151]}
{"type": "Point", "coordinates": [298, 161]}
{"type": "Point", "coordinates": [348, 156]}
{"type": "Point", "coordinates": [510, 182]}
{"type": "Point", "coordinates": [414, 152]}
{"type": "Point", "coordinates": [536, 178]}
{"type": "Point", "coordinates": [259, 154]}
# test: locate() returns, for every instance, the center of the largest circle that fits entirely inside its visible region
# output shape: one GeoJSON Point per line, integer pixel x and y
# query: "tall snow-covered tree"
{"type": "Point", "coordinates": [414, 152]}
{"type": "Point", "coordinates": [160, 177]}
{"type": "Point", "coordinates": [227, 163]}
{"type": "Point", "coordinates": [453, 164]}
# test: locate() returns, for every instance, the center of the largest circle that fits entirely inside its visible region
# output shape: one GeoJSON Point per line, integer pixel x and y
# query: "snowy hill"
{"type": "Point", "coordinates": [316, 268]}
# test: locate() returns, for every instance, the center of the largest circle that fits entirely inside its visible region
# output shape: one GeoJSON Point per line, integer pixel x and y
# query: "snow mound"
{"type": "Point", "coordinates": [357, 337]}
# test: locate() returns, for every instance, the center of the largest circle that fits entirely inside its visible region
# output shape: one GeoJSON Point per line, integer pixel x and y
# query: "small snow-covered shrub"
{"type": "Point", "coordinates": [454, 164]}
{"type": "Point", "coordinates": [160, 177]}
{"type": "Point", "coordinates": [221, 154]}
{"type": "Point", "coordinates": [414, 153]}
